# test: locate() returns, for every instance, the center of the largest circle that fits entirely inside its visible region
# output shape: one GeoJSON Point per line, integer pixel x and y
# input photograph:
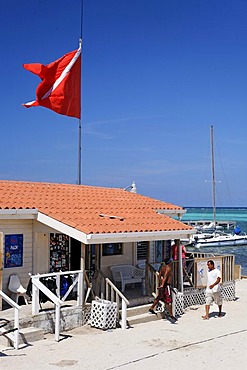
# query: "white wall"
{"type": "Point", "coordinates": [126, 258]}
{"type": "Point", "coordinates": [18, 227]}
{"type": "Point", "coordinates": [36, 244]}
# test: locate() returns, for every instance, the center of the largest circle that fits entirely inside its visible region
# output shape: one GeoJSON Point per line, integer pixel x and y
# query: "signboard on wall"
{"type": "Point", "coordinates": [13, 251]}
{"type": "Point", "coordinates": [202, 270]}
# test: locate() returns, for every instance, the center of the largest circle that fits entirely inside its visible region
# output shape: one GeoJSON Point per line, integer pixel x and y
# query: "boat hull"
{"type": "Point", "coordinates": [222, 241]}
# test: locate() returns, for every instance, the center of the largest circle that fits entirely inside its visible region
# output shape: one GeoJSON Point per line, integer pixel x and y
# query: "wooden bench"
{"type": "Point", "coordinates": [126, 274]}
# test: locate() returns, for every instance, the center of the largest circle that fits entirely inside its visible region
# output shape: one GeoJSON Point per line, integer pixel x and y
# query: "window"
{"type": "Point", "coordinates": [112, 249]}
{"type": "Point", "coordinates": [158, 251]}
{"type": "Point", "coordinates": [142, 248]}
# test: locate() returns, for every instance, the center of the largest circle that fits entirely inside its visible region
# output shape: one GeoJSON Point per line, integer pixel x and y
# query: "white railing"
{"type": "Point", "coordinates": [37, 285]}
{"type": "Point", "coordinates": [15, 334]}
{"type": "Point", "coordinates": [114, 295]}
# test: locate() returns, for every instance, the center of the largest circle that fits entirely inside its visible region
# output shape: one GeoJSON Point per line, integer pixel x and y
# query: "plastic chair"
{"type": "Point", "coordinates": [16, 287]}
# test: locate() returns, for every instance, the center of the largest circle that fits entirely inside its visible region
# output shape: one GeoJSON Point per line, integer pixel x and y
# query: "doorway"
{"type": "Point", "coordinates": [92, 260]}
{"type": "Point", "coordinates": [65, 253]}
{"type": "Point", "coordinates": [75, 254]}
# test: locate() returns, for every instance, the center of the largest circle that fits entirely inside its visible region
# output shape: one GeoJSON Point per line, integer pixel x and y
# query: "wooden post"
{"type": "Point", "coordinates": [57, 322]}
{"type": "Point", "coordinates": [80, 288]}
{"type": "Point", "coordinates": [147, 285]}
{"type": "Point", "coordinates": [180, 269]}
{"type": "Point", "coordinates": [35, 297]}
{"type": "Point", "coordinates": [16, 334]}
{"type": "Point", "coordinates": [124, 315]}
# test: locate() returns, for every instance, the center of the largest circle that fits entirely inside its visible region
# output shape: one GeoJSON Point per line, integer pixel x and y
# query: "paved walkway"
{"type": "Point", "coordinates": [191, 343]}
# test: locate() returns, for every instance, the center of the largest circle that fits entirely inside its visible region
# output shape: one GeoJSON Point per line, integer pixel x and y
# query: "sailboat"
{"type": "Point", "coordinates": [217, 238]}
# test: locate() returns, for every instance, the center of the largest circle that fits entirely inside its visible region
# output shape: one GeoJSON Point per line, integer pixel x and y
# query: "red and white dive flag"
{"type": "Point", "coordinates": [60, 89]}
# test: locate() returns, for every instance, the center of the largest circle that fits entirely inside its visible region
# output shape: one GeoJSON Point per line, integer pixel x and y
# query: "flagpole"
{"type": "Point", "coordinates": [79, 137]}
{"type": "Point", "coordinates": [79, 154]}
{"type": "Point", "coordinates": [79, 133]}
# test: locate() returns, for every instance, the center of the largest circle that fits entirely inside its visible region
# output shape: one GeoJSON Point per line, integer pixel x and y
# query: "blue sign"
{"type": "Point", "coordinates": [13, 254]}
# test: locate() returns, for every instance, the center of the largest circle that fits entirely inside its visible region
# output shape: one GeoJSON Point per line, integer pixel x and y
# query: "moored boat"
{"type": "Point", "coordinates": [216, 238]}
{"type": "Point", "coordinates": [221, 241]}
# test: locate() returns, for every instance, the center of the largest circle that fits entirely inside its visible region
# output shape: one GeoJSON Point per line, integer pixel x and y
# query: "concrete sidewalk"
{"type": "Point", "coordinates": [189, 344]}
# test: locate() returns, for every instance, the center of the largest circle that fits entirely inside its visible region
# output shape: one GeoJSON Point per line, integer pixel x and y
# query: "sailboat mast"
{"type": "Point", "coordinates": [213, 174]}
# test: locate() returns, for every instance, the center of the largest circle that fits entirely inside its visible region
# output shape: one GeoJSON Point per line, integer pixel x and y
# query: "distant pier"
{"type": "Point", "coordinates": [207, 224]}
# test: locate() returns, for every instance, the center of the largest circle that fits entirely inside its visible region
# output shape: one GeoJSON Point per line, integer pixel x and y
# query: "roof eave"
{"type": "Point", "coordinates": [113, 237]}
{"type": "Point", "coordinates": [62, 228]}
{"type": "Point", "coordinates": [19, 213]}
{"type": "Point", "coordinates": [99, 238]}
{"type": "Point", "coordinates": [138, 236]}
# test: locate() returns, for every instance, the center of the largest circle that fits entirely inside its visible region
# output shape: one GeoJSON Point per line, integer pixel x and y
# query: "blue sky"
{"type": "Point", "coordinates": [156, 74]}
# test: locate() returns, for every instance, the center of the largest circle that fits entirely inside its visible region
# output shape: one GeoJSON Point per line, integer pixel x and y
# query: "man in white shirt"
{"type": "Point", "coordinates": [213, 289]}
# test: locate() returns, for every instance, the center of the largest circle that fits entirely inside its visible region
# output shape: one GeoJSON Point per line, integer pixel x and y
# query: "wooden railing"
{"type": "Point", "coordinates": [227, 263]}
{"type": "Point", "coordinates": [113, 294]}
{"type": "Point", "coordinates": [151, 279]}
{"type": "Point", "coordinates": [89, 288]}
{"type": "Point", "coordinates": [98, 284]}
{"type": "Point", "coordinates": [228, 268]}
{"type": "Point", "coordinates": [13, 334]}
{"type": "Point", "coordinates": [105, 289]}
{"type": "Point", "coordinates": [190, 273]}
{"type": "Point", "coordinates": [38, 286]}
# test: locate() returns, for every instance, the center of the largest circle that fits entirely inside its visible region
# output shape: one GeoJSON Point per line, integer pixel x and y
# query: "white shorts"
{"type": "Point", "coordinates": [213, 297]}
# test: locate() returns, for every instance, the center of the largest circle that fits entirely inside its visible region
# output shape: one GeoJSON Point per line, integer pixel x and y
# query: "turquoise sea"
{"type": "Point", "coordinates": [239, 215]}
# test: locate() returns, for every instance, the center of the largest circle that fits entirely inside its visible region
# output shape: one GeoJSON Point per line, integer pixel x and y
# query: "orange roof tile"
{"type": "Point", "coordinates": [90, 209]}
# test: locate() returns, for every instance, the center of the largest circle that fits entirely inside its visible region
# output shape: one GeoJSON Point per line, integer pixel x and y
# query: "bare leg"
{"type": "Point", "coordinates": [206, 317]}
{"type": "Point", "coordinates": [170, 309]}
{"type": "Point", "coordinates": [151, 309]}
{"type": "Point", "coordinates": [220, 309]}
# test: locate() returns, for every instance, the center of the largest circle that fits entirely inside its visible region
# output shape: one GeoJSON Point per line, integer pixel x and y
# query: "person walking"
{"type": "Point", "coordinates": [213, 289]}
{"type": "Point", "coordinates": [164, 289]}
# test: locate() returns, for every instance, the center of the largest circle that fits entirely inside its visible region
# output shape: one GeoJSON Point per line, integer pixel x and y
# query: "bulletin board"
{"type": "Point", "coordinates": [59, 252]}
{"type": "Point", "coordinates": [201, 270]}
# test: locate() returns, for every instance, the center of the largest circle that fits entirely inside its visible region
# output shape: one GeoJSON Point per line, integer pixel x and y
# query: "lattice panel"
{"type": "Point", "coordinates": [103, 314]}
{"type": "Point", "coordinates": [197, 296]}
{"type": "Point", "coordinates": [179, 304]}
{"type": "Point", "coordinates": [160, 307]}
{"type": "Point", "coordinates": [228, 291]}
{"type": "Point", "coordinates": [194, 297]}
{"type": "Point", "coordinates": [86, 314]}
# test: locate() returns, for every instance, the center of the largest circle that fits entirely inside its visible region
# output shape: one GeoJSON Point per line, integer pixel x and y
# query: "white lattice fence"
{"type": "Point", "coordinates": [193, 297]}
{"type": "Point", "coordinates": [197, 296]}
{"type": "Point", "coordinates": [86, 314]}
{"type": "Point", "coordinates": [228, 291]}
{"type": "Point", "coordinates": [179, 304]}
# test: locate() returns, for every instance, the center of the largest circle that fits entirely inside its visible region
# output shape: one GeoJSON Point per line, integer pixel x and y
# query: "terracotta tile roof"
{"type": "Point", "coordinates": [90, 209]}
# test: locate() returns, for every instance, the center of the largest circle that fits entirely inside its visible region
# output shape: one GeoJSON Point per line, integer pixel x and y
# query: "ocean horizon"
{"type": "Point", "coordinates": [235, 214]}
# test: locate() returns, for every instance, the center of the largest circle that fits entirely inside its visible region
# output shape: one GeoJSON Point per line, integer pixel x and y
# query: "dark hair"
{"type": "Point", "coordinates": [168, 260]}
{"type": "Point", "coordinates": [211, 262]}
